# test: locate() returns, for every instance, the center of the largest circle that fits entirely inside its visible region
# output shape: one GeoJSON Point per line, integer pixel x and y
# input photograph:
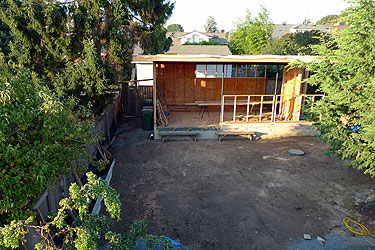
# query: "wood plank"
{"type": "Point", "coordinates": [170, 91]}
{"type": "Point", "coordinates": [190, 70]}
{"type": "Point", "coordinates": [251, 86]}
{"type": "Point", "coordinates": [218, 89]}
{"type": "Point", "coordinates": [230, 88]}
{"type": "Point", "coordinates": [200, 89]}
{"type": "Point", "coordinates": [180, 91]}
{"type": "Point", "coordinates": [189, 89]}
{"type": "Point", "coordinates": [261, 86]}
{"type": "Point", "coordinates": [160, 70]}
{"type": "Point", "coordinates": [241, 86]}
{"type": "Point", "coordinates": [177, 133]}
{"type": "Point", "coordinates": [236, 133]}
{"type": "Point", "coordinates": [170, 70]}
{"type": "Point", "coordinates": [210, 89]}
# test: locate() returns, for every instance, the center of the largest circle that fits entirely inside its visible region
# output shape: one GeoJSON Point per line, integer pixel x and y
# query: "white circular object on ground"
{"type": "Point", "coordinates": [296, 152]}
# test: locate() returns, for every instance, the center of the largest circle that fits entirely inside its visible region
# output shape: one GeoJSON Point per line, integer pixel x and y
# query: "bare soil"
{"type": "Point", "coordinates": [235, 194]}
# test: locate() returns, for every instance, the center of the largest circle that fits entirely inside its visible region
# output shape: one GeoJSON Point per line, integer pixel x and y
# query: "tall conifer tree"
{"type": "Point", "coordinates": [82, 48]}
{"type": "Point", "coordinates": [346, 73]}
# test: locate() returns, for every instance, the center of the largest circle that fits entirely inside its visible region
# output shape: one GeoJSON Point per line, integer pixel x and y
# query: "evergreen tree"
{"type": "Point", "coordinates": [82, 47]}
{"type": "Point", "coordinates": [251, 34]}
{"type": "Point", "coordinates": [211, 25]}
{"type": "Point", "coordinates": [328, 19]}
{"type": "Point", "coordinates": [175, 28]}
{"type": "Point", "coordinates": [5, 36]}
{"type": "Point", "coordinates": [347, 75]}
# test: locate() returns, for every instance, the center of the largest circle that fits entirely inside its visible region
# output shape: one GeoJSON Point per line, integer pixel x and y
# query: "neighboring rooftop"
{"type": "Point", "coordinates": [199, 49]}
{"type": "Point", "coordinates": [215, 37]}
{"type": "Point", "coordinates": [282, 29]}
{"type": "Point", "coordinates": [179, 49]}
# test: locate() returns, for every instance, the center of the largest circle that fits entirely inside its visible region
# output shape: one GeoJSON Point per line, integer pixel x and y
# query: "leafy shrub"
{"type": "Point", "coordinates": [40, 137]}
{"type": "Point", "coordinates": [86, 230]}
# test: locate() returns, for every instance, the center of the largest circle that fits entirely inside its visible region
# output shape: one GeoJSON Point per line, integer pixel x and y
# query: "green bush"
{"type": "Point", "coordinates": [40, 137]}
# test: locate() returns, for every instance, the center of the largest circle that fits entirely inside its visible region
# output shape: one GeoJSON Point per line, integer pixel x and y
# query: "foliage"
{"type": "Point", "coordinates": [204, 43]}
{"type": "Point", "coordinates": [328, 19]}
{"type": "Point", "coordinates": [307, 22]}
{"type": "Point", "coordinates": [293, 44]}
{"type": "Point", "coordinates": [155, 42]}
{"type": "Point", "coordinates": [86, 229]}
{"type": "Point", "coordinates": [347, 75]}
{"type": "Point", "coordinates": [251, 34]}
{"type": "Point", "coordinates": [175, 28]}
{"type": "Point", "coordinates": [40, 137]}
{"type": "Point", "coordinates": [150, 32]}
{"type": "Point", "coordinates": [5, 35]}
{"type": "Point", "coordinates": [285, 45]}
{"type": "Point", "coordinates": [211, 25]}
{"type": "Point", "coordinates": [82, 48]}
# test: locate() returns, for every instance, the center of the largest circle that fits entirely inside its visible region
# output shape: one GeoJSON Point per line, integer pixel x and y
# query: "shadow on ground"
{"type": "Point", "coordinates": [236, 194]}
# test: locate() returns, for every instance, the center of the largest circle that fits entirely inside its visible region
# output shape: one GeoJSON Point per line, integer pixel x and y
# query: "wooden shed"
{"type": "Point", "coordinates": [260, 88]}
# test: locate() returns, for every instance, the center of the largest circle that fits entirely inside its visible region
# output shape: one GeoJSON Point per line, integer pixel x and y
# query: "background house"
{"type": "Point", "coordinates": [282, 29]}
{"type": "Point", "coordinates": [144, 70]}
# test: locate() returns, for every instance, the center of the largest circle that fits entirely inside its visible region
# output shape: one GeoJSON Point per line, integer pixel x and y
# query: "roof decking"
{"type": "Point", "coordinates": [263, 59]}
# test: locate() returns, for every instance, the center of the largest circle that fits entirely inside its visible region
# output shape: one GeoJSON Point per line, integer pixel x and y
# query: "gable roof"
{"type": "Point", "coordinates": [215, 37]}
{"type": "Point", "coordinates": [195, 31]}
{"type": "Point", "coordinates": [199, 49]}
{"type": "Point", "coordinates": [282, 29]}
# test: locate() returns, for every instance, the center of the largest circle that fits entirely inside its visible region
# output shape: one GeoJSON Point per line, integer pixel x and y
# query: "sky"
{"type": "Point", "coordinates": [193, 14]}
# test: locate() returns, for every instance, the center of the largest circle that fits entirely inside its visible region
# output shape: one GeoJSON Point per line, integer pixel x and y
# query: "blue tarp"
{"type": "Point", "coordinates": [333, 242]}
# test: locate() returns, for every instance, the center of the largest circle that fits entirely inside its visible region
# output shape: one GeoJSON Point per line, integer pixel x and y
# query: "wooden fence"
{"type": "Point", "coordinates": [134, 95]}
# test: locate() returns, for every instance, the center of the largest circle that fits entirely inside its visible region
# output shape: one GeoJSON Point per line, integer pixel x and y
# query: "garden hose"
{"type": "Point", "coordinates": [359, 230]}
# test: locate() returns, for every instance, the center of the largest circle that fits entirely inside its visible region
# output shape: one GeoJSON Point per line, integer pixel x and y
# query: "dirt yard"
{"type": "Point", "coordinates": [236, 194]}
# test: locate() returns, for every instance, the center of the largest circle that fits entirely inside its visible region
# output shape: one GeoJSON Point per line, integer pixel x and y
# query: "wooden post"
{"type": "Point", "coordinates": [222, 97]}
{"type": "Point", "coordinates": [277, 78]}
{"type": "Point", "coordinates": [222, 110]}
{"type": "Point", "coordinates": [234, 108]}
{"type": "Point", "coordinates": [273, 109]}
{"type": "Point", "coordinates": [154, 97]}
{"type": "Point", "coordinates": [247, 112]}
{"type": "Point", "coordinates": [261, 108]}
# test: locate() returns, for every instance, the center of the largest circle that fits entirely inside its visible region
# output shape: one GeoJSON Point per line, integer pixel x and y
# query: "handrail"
{"type": "Point", "coordinates": [274, 95]}
{"type": "Point", "coordinates": [289, 106]}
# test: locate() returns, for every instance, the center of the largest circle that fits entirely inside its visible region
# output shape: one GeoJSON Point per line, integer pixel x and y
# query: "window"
{"type": "Point", "coordinates": [211, 70]}
{"type": "Point", "coordinates": [201, 71]}
{"type": "Point", "coordinates": [195, 38]}
{"type": "Point", "coordinates": [189, 40]}
{"type": "Point", "coordinates": [251, 69]}
{"type": "Point", "coordinates": [220, 70]}
{"type": "Point", "coordinates": [261, 71]}
{"type": "Point", "coordinates": [234, 68]}
{"type": "Point", "coordinates": [241, 70]}
{"type": "Point", "coordinates": [228, 71]}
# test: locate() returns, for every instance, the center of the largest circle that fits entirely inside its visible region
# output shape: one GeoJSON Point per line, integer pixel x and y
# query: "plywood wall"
{"type": "Point", "coordinates": [180, 86]}
{"type": "Point", "coordinates": [292, 86]}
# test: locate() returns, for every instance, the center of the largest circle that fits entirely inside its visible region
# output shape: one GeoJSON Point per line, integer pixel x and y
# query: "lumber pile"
{"type": "Point", "coordinates": [161, 107]}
